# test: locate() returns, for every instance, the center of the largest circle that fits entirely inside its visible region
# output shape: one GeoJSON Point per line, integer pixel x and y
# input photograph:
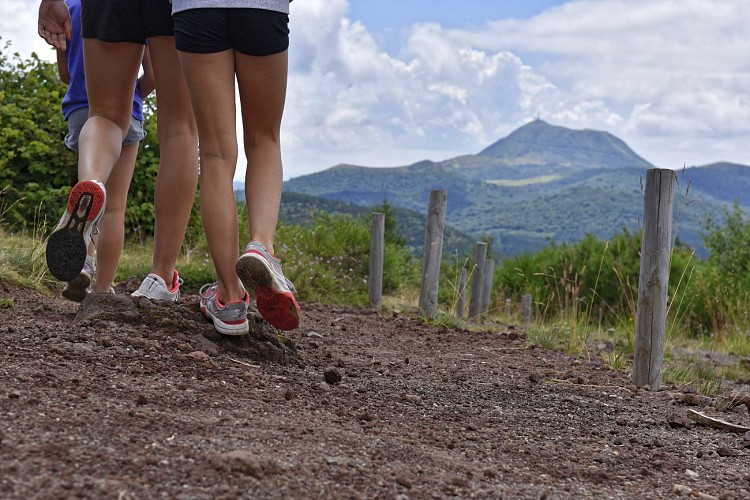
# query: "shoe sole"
{"type": "Point", "coordinates": [253, 272]}
{"type": "Point", "coordinates": [77, 289]}
{"type": "Point", "coordinates": [66, 247]}
{"type": "Point", "coordinates": [226, 328]}
{"type": "Point", "coordinates": [280, 309]}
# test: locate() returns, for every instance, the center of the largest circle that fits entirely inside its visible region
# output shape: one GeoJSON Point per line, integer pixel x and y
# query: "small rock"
{"type": "Point", "coordinates": [534, 378]}
{"type": "Point", "coordinates": [691, 399]}
{"type": "Point", "coordinates": [691, 474]}
{"type": "Point", "coordinates": [681, 490]}
{"type": "Point", "coordinates": [403, 481]}
{"type": "Point", "coordinates": [678, 419]}
{"type": "Point", "coordinates": [289, 394]}
{"type": "Point", "coordinates": [141, 400]}
{"type": "Point", "coordinates": [313, 334]}
{"type": "Point", "coordinates": [238, 461]}
{"type": "Point", "coordinates": [332, 375]}
{"type": "Point", "coordinates": [723, 451]}
{"type": "Point", "coordinates": [332, 460]}
{"type": "Point", "coordinates": [199, 355]}
{"type": "Point", "coordinates": [413, 398]}
{"type": "Point", "coordinates": [14, 395]}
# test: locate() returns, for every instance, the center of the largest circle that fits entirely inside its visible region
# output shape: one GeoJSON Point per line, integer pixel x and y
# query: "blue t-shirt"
{"type": "Point", "coordinates": [75, 96]}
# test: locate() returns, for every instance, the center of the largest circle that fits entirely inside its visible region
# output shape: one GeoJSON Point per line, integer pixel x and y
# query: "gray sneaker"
{"type": "Point", "coordinates": [229, 318]}
{"type": "Point", "coordinates": [153, 287]}
{"type": "Point", "coordinates": [261, 272]}
{"type": "Point", "coordinates": [79, 287]}
{"type": "Point", "coordinates": [67, 245]}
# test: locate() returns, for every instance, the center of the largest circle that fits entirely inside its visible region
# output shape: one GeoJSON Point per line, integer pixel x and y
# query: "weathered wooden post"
{"type": "Point", "coordinates": [653, 282]}
{"type": "Point", "coordinates": [508, 307]}
{"type": "Point", "coordinates": [487, 275]}
{"type": "Point", "coordinates": [377, 244]}
{"type": "Point", "coordinates": [461, 301]}
{"type": "Point", "coordinates": [475, 304]}
{"type": "Point", "coordinates": [526, 308]}
{"type": "Point", "coordinates": [433, 253]}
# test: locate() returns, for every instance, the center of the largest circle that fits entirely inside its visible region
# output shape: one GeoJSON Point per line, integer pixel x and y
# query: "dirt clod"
{"type": "Point", "coordinates": [332, 375]}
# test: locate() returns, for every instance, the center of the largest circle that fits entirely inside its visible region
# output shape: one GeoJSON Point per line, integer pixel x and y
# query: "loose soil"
{"type": "Point", "coordinates": [131, 399]}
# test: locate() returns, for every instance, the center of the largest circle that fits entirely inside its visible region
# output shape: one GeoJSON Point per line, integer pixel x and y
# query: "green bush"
{"type": "Point", "coordinates": [329, 260]}
{"type": "Point", "coordinates": [590, 278]}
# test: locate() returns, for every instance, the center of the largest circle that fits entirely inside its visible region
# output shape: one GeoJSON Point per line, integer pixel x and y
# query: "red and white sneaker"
{"type": "Point", "coordinates": [229, 318]}
{"type": "Point", "coordinates": [261, 272]}
{"type": "Point", "coordinates": [66, 246]}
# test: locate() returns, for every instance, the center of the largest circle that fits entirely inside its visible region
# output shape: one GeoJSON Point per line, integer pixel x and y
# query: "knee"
{"type": "Point", "coordinates": [261, 138]}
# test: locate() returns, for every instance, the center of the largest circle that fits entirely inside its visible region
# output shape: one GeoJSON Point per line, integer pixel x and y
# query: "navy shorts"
{"type": "Point", "coordinates": [255, 32]}
{"type": "Point", "coordinates": [126, 20]}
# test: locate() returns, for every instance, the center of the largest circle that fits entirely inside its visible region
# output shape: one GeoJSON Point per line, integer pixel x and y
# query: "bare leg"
{"type": "Point", "coordinates": [262, 86]}
{"type": "Point", "coordinates": [210, 78]}
{"type": "Point", "coordinates": [178, 165]}
{"type": "Point", "coordinates": [112, 226]}
{"type": "Point", "coordinates": [111, 70]}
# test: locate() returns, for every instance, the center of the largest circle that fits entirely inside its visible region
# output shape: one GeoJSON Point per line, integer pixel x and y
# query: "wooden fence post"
{"type": "Point", "coordinates": [433, 253]}
{"type": "Point", "coordinates": [526, 308]}
{"type": "Point", "coordinates": [461, 301]}
{"type": "Point", "coordinates": [653, 282]}
{"type": "Point", "coordinates": [377, 244]}
{"type": "Point", "coordinates": [487, 275]}
{"type": "Point", "coordinates": [475, 303]}
{"type": "Point", "coordinates": [508, 307]}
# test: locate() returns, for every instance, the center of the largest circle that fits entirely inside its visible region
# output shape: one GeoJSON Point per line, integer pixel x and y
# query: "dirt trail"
{"type": "Point", "coordinates": [134, 400]}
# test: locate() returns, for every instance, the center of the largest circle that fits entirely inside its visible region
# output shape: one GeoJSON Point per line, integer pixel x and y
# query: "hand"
{"type": "Point", "coordinates": [54, 23]}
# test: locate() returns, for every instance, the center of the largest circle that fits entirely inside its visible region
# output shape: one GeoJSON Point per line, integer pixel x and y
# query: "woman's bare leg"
{"type": "Point", "coordinates": [178, 164]}
{"type": "Point", "coordinates": [111, 72]}
{"type": "Point", "coordinates": [210, 79]}
{"type": "Point", "coordinates": [112, 225]}
{"type": "Point", "coordinates": [262, 87]}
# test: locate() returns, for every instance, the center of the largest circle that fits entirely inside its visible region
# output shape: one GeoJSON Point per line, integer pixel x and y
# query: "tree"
{"type": "Point", "coordinates": [37, 170]}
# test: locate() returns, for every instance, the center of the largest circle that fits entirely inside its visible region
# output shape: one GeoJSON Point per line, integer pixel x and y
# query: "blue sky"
{"type": "Point", "coordinates": [387, 83]}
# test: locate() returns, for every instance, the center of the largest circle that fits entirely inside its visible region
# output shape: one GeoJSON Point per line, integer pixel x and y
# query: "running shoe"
{"type": "Point", "coordinates": [261, 272]}
{"type": "Point", "coordinates": [79, 287]}
{"type": "Point", "coordinates": [229, 318]}
{"type": "Point", "coordinates": [154, 287]}
{"type": "Point", "coordinates": [66, 247]}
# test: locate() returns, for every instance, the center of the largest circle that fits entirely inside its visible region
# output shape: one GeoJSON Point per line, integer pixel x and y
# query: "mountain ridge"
{"type": "Point", "coordinates": [540, 183]}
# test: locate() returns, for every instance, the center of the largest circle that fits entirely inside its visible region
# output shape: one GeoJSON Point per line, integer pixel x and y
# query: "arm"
{"type": "Point", "coordinates": [62, 66]}
{"type": "Point", "coordinates": [54, 23]}
{"type": "Point", "coordinates": [146, 81]}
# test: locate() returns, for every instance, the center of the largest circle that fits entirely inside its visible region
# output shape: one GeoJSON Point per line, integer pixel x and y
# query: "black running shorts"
{"type": "Point", "coordinates": [126, 20]}
{"type": "Point", "coordinates": [255, 32]}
